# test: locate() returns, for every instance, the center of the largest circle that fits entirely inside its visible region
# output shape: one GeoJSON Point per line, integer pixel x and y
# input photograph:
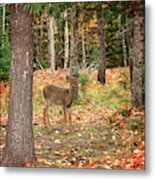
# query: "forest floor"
{"type": "Point", "coordinates": [107, 133]}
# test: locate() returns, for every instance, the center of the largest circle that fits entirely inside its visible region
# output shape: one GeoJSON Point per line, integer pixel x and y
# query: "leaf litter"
{"type": "Point", "coordinates": [108, 133]}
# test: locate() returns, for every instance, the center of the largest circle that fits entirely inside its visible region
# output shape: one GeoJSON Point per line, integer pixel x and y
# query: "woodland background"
{"type": "Point", "coordinates": [102, 43]}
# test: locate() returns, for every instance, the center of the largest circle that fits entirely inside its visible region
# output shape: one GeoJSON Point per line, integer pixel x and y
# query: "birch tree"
{"type": "Point", "coordinates": [51, 43]}
{"type": "Point", "coordinates": [123, 39]}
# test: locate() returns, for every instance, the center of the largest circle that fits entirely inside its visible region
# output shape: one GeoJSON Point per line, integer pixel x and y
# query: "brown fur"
{"type": "Point", "coordinates": [58, 96]}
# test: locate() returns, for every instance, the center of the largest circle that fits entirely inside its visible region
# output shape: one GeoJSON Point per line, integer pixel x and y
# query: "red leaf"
{"type": "Point", "coordinates": [25, 163]}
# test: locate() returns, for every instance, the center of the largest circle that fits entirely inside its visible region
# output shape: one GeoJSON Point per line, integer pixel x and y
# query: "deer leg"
{"type": "Point", "coordinates": [70, 121]}
{"type": "Point", "coordinates": [65, 120]}
{"type": "Point", "coordinates": [44, 115]}
{"type": "Point", "coordinates": [48, 121]}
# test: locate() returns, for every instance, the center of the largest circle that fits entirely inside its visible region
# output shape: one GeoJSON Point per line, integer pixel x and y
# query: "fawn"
{"type": "Point", "coordinates": [59, 96]}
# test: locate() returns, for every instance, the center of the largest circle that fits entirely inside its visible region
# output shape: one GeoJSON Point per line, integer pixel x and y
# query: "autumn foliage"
{"type": "Point", "coordinates": [108, 133]}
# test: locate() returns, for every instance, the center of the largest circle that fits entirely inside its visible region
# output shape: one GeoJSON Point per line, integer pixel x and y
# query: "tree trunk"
{"type": "Point", "coordinates": [51, 43]}
{"type": "Point", "coordinates": [130, 45]}
{"type": "Point", "coordinates": [83, 43]}
{"type": "Point", "coordinates": [19, 138]}
{"type": "Point", "coordinates": [125, 61]}
{"type": "Point", "coordinates": [3, 26]}
{"type": "Point", "coordinates": [122, 30]}
{"type": "Point", "coordinates": [138, 61]}
{"type": "Point", "coordinates": [66, 39]}
{"type": "Point", "coordinates": [74, 51]}
{"type": "Point", "coordinates": [101, 50]}
{"type": "Point", "coordinates": [40, 39]}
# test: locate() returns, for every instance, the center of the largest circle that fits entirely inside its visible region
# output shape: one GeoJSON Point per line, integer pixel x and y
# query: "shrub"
{"type": "Point", "coordinates": [4, 57]}
{"type": "Point", "coordinates": [83, 80]}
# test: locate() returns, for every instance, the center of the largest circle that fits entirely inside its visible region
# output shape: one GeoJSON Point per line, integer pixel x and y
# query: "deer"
{"type": "Point", "coordinates": [59, 96]}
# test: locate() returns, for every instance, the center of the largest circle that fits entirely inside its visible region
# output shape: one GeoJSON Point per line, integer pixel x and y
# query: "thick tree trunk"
{"type": "Point", "coordinates": [138, 61]}
{"type": "Point", "coordinates": [51, 44]}
{"type": "Point", "coordinates": [19, 138]}
{"type": "Point", "coordinates": [66, 42]}
{"type": "Point", "coordinates": [74, 51]}
{"type": "Point", "coordinates": [101, 50]}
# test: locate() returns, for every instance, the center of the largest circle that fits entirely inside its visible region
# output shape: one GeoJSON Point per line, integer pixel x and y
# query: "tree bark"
{"type": "Point", "coordinates": [130, 26]}
{"type": "Point", "coordinates": [125, 61]}
{"type": "Point", "coordinates": [3, 25]}
{"type": "Point", "coordinates": [51, 43]}
{"type": "Point", "coordinates": [66, 43]}
{"type": "Point", "coordinates": [101, 49]}
{"type": "Point", "coordinates": [138, 61]}
{"type": "Point", "coordinates": [74, 51]}
{"type": "Point", "coordinates": [19, 138]}
{"type": "Point", "coordinates": [83, 43]}
{"type": "Point", "coordinates": [123, 39]}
